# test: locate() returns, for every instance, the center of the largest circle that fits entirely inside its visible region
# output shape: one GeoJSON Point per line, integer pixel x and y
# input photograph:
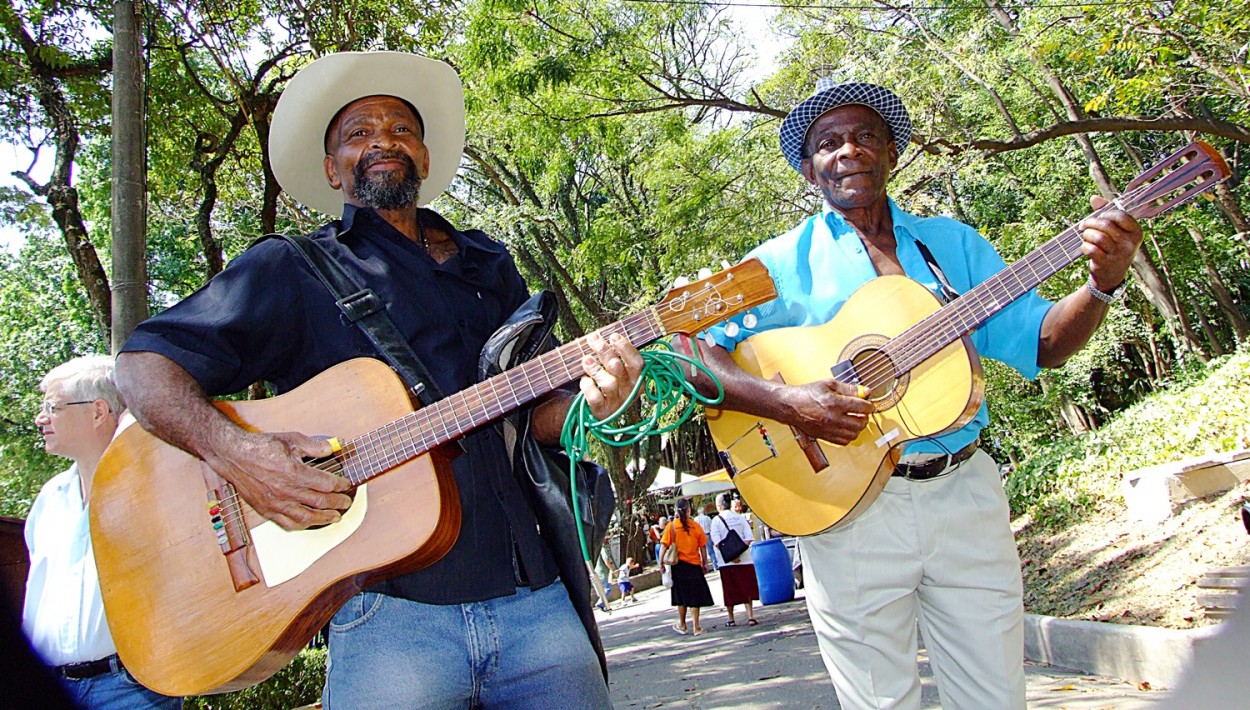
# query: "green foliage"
{"type": "Point", "coordinates": [46, 322]}
{"type": "Point", "coordinates": [297, 684]}
{"type": "Point", "coordinates": [1073, 475]}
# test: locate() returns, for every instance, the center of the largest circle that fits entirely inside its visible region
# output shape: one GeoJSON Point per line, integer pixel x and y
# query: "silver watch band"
{"type": "Point", "coordinates": [1115, 295]}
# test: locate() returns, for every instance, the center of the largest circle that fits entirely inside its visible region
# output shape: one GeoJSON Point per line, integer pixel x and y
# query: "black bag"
{"type": "Point", "coordinates": [732, 547]}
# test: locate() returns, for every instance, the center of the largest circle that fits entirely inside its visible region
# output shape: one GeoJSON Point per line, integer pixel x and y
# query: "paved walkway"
{"type": "Point", "coordinates": [777, 664]}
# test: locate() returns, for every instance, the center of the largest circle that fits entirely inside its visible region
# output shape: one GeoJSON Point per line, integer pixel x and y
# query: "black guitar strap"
{"type": "Point", "coordinates": [948, 293]}
{"type": "Point", "coordinates": [364, 308]}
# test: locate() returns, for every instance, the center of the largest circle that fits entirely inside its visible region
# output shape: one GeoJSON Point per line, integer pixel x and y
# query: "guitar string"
{"type": "Point", "coordinates": [366, 447]}
{"type": "Point", "coordinates": [410, 435]}
{"type": "Point", "coordinates": [882, 370]}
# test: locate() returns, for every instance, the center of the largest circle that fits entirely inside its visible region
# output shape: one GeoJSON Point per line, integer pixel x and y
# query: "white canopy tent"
{"type": "Point", "coordinates": [709, 483]}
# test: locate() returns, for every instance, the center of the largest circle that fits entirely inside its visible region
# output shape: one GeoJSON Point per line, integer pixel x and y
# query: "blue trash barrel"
{"type": "Point", "coordinates": [773, 571]}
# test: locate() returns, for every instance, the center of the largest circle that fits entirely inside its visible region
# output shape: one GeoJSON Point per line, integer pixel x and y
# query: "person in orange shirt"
{"type": "Point", "coordinates": [690, 590]}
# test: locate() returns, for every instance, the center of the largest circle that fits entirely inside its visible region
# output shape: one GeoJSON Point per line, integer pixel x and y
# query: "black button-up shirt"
{"type": "Point", "coordinates": [268, 317]}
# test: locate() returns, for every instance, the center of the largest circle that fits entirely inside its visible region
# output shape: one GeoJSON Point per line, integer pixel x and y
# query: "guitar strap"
{"type": "Point", "coordinates": [365, 309]}
{"type": "Point", "coordinates": [947, 292]}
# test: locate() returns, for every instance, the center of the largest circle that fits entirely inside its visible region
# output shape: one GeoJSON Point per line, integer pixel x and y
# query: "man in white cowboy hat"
{"type": "Point", "coordinates": [373, 136]}
{"type": "Point", "coordinates": [936, 545]}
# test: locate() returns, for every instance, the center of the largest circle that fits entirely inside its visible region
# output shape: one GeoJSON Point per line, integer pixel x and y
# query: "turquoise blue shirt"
{"type": "Point", "coordinates": [821, 262]}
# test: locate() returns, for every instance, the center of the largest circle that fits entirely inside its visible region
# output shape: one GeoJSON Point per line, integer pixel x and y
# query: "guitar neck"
{"type": "Point", "coordinates": [404, 439]}
{"type": "Point", "coordinates": [1173, 182]}
{"type": "Point", "coordinates": [964, 314]}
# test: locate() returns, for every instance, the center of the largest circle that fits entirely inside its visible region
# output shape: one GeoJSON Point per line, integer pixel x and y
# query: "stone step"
{"type": "Point", "coordinates": [1154, 493]}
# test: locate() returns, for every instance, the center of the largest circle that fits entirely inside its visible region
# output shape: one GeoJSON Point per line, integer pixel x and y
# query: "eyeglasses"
{"type": "Point", "coordinates": [50, 408]}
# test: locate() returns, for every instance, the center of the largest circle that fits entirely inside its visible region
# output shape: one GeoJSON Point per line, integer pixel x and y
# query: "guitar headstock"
{"type": "Point", "coordinates": [703, 303]}
{"type": "Point", "coordinates": [1174, 181]}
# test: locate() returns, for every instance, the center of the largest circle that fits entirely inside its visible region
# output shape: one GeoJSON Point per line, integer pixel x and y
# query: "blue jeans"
{"type": "Point", "coordinates": [117, 690]}
{"type": "Point", "coordinates": [522, 651]}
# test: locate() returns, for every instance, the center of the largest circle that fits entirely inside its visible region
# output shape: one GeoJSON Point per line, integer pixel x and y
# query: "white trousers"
{"type": "Point", "coordinates": [940, 551]}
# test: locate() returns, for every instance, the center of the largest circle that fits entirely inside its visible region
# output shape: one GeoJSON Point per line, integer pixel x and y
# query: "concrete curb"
{"type": "Point", "coordinates": [1139, 654]}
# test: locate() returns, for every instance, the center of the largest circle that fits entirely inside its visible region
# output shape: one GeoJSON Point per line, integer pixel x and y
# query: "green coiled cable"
{"type": "Point", "coordinates": [672, 398]}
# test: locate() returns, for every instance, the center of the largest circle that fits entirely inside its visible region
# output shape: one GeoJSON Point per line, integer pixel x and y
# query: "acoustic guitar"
{"type": "Point", "coordinates": [203, 595]}
{"type": "Point", "coordinates": [895, 338]}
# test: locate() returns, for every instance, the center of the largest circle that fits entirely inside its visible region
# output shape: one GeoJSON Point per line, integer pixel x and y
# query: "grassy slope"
{"type": "Point", "coordinates": [1084, 558]}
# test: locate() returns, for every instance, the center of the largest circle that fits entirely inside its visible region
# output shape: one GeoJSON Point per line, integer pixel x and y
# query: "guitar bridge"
{"type": "Point", "coordinates": [225, 515]}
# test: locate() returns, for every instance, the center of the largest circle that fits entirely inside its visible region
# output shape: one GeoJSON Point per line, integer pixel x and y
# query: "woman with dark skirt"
{"type": "Point", "coordinates": [690, 590]}
{"type": "Point", "coordinates": [737, 576]}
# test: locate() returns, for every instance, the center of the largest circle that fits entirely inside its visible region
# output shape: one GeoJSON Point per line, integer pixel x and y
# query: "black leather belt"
{"type": "Point", "coordinates": [934, 467]}
{"type": "Point", "coordinates": [90, 669]}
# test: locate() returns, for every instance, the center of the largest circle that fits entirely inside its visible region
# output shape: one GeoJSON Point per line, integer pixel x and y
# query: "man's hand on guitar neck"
{"type": "Point", "coordinates": [266, 469]}
{"type": "Point", "coordinates": [1110, 241]}
{"type": "Point", "coordinates": [612, 368]}
{"type": "Point", "coordinates": [827, 409]}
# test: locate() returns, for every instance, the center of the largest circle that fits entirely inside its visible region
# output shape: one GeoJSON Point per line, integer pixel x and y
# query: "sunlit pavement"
{"type": "Point", "coordinates": [776, 664]}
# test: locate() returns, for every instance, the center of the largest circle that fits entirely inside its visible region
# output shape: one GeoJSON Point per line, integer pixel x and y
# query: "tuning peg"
{"type": "Point", "coordinates": [724, 265]}
{"type": "Point", "coordinates": [749, 320]}
{"type": "Point", "coordinates": [709, 340]}
{"type": "Point", "coordinates": [731, 329]}
{"type": "Point", "coordinates": [680, 282]}
{"type": "Point", "coordinates": [705, 273]}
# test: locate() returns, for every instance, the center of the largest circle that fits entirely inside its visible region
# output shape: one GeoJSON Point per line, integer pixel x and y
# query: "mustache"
{"type": "Point", "coordinates": [377, 156]}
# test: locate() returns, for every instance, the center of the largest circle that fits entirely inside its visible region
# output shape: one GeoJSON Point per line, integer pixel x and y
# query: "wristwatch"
{"type": "Point", "coordinates": [1116, 293]}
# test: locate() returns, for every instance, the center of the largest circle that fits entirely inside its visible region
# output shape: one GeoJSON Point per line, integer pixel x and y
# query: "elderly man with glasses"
{"type": "Point", "coordinates": [63, 614]}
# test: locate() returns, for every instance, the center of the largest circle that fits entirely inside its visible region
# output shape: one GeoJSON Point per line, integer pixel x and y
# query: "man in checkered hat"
{"type": "Point", "coordinates": [936, 545]}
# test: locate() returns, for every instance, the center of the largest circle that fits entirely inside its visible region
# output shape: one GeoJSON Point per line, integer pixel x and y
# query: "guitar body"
{"type": "Point", "coordinates": [180, 625]}
{"type": "Point", "coordinates": [941, 394]}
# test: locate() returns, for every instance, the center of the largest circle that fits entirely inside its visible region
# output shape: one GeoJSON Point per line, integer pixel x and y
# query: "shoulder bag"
{"type": "Point", "coordinates": [732, 547]}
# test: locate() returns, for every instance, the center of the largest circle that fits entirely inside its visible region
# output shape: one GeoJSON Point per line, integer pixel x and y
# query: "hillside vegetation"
{"type": "Point", "coordinates": [1085, 558]}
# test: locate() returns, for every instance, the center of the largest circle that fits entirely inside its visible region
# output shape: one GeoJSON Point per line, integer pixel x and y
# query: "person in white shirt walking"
{"type": "Point", "coordinates": [705, 521]}
{"type": "Point", "coordinates": [63, 613]}
{"type": "Point", "coordinates": [737, 576]}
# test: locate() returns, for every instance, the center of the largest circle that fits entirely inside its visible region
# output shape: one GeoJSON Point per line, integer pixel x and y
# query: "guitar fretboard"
{"type": "Point", "coordinates": [404, 439]}
{"type": "Point", "coordinates": [1173, 182]}
{"type": "Point", "coordinates": [964, 314]}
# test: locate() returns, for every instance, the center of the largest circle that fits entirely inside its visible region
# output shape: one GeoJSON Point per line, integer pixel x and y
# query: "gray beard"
{"type": "Point", "coordinates": [386, 191]}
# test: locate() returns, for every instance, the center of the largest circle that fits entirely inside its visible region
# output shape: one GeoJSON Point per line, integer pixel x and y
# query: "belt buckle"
{"type": "Point", "coordinates": [927, 471]}
{"type": "Point", "coordinates": [89, 669]}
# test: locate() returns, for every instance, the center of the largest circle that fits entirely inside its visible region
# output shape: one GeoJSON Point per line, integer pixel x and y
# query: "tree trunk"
{"type": "Point", "coordinates": [129, 169]}
{"type": "Point", "coordinates": [1219, 290]}
{"type": "Point", "coordinates": [1229, 205]}
{"type": "Point", "coordinates": [59, 191]}
{"type": "Point", "coordinates": [1213, 335]}
{"type": "Point", "coordinates": [1156, 285]}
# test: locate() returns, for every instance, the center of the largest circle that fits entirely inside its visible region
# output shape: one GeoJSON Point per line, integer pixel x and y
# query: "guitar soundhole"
{"type": "Point", "coordinates": [876, 371]}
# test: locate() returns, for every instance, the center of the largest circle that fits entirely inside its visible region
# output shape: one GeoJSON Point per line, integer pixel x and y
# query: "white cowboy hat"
{"type": "Point", "coordinates": [320, 90]}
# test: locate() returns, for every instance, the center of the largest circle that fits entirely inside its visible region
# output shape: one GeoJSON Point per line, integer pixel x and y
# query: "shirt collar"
{"type": "Point", "coordinates": [904, 223]}
{"type": "Point", "coordinates": [429, 218]}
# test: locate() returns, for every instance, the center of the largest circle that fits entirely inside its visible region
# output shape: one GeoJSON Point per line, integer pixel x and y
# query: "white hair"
{"type": "Point", "coordinates": [86, 378]}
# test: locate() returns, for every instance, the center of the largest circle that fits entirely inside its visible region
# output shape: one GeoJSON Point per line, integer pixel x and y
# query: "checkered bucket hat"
{"type": "Point", "coordinates": [829, 96]}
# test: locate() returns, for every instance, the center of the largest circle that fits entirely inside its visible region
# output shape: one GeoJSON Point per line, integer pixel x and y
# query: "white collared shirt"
{"type": "Point", "coordinates": [64, 612]}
